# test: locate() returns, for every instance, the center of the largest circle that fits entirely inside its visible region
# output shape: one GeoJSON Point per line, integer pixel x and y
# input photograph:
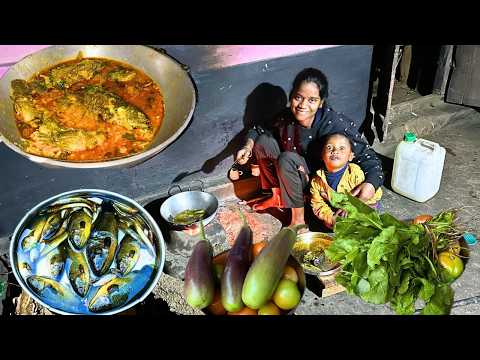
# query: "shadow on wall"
{"type": "Point", "coordinates": [262, 104]}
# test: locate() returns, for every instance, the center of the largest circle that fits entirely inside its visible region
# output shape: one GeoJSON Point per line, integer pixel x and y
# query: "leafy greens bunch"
{"type": "Point", "coordinates": [385, 260]}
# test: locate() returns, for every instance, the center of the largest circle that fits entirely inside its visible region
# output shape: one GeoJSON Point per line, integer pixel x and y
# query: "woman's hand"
{"type": "Point", "coordinates": [365, 191]}
{"type": "Point", "coordinates": [245, 153]}
{"type": "Point", "coordinates": [302, 170]}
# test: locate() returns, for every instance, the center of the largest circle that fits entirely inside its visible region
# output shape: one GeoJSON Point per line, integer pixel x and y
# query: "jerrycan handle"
{"type": "Point", "coordinates": [428, 144]}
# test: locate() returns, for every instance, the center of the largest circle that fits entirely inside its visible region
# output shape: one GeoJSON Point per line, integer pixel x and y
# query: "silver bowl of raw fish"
{"type": "Point", "coordinates": [87, 252]}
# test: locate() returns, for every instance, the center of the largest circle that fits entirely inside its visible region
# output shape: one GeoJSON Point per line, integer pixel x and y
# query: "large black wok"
{"type": "Point", "coordinates": [173, 79]}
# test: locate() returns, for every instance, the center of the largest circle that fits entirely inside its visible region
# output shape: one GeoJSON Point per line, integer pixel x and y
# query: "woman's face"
{"type": "Point", "coordinates": [305, 103]}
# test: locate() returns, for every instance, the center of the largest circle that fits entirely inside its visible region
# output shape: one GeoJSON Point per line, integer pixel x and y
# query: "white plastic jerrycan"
{"type": "Point", "coordinates": [417, 168]}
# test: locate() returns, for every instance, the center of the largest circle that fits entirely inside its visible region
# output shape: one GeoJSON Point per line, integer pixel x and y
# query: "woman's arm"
{"type": "Point", "coordinates": [252, 134]}
{"type": "Point", "coordinates": [367, 159]}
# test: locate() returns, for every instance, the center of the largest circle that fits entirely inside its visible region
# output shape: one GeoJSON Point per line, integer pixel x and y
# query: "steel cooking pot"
{"type": "Point", "coordinates": [176, 85]}
{"type": "Point", "coordinates": [158, 242]}
{"type": "Point", "coordinates": [189, 200]}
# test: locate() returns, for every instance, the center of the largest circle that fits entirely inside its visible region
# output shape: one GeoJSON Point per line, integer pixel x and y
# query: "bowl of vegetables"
{"type": "Point", "coordinates": [285, 299]}
{"type": "Point", "coordinates": [309, 251]}
{"type": "Point", "coordinates": [186, 209]}
{"type": "Point", "coordinates": [248, 279]}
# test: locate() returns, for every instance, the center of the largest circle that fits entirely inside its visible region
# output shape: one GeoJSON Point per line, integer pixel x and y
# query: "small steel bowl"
{"type": "Point", "coordinates": [189, 200]}
{"type": "Point", "coordinates": [159, 244]}
{"type": "Point", "coordinates": [323, 240]}
{"type": "Point", "coordinates": [222, 257]}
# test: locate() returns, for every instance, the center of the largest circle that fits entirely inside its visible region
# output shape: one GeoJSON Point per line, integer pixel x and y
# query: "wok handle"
{"type": "Point", "coordinates": [183, 66]}
{"type": "Point", "coordinates": [174, 186]}
{"type": "Point", "coordinates": [200, 181]}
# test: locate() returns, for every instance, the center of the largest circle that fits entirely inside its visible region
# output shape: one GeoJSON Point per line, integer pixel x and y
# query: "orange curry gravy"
{"type": "Point", "coordinates": [116, 141]}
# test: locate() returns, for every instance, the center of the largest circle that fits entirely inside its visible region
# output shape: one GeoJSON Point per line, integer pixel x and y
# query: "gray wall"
{"type": "Point", "coordinates": [218, 118]}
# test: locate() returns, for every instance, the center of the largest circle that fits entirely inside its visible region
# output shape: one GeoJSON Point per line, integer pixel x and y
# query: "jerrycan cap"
{"type": "Point", "coordinates": [409, 137]}
{"type": "Point", "coordinates": [470, 238]}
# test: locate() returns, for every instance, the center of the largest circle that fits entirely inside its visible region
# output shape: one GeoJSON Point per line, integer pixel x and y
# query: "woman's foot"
{"type": "Point", "coordinates": [298, 218]}
{"type": "Point", "coordinates": [274, 201]}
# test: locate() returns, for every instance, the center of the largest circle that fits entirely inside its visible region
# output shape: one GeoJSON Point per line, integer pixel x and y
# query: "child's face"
{"type": "Point", "coordinates": [336, 153]}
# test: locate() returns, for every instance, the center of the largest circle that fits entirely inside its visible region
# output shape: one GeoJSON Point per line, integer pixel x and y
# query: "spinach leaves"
{"type": "Point", "coordinates": [385, 260]}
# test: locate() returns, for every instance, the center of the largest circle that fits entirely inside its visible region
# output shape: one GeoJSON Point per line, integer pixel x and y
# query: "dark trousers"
{"type": "Point", "coordinates": [280, 170]}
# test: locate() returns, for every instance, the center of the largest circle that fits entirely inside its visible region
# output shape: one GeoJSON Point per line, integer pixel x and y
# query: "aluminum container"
{"type": "Point", "coordinates": [175, 84]}
{"type": "Point", "coordinates": [158, 239]}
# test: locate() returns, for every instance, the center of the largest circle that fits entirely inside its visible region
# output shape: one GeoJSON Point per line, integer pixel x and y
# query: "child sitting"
{"type": "Point", "coordinates": [337, 174]}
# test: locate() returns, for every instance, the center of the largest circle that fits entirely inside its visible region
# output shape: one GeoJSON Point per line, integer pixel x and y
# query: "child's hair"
{"type": "Point", "coordinates": [311, 75]}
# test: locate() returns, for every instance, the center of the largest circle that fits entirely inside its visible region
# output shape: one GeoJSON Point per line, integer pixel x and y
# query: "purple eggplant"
{"type": "Point", "coordinates": [199, 283]}
{"type": "Point", "coordinates": [237, 264]}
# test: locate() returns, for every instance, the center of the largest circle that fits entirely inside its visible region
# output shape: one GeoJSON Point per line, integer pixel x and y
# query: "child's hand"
{"type": "Point", "coordinates": [330, 223]}
{"type": "Point", "coordinates": [341, 213]}
{"type": "Point", "coordinates": [365, 191]}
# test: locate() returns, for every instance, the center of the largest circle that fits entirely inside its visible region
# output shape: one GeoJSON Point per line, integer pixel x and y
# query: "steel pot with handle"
{"type": "Point", "coordinates": [172, 77]}
{"type": "Point", "coordinates": [189, 200]}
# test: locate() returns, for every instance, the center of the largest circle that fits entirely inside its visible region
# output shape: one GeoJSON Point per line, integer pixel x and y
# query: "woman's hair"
{"type": "Point", "coordinates": [311, 75]}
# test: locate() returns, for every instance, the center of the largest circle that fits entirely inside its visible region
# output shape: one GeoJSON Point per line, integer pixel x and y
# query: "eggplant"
{"type": "Point", "coordinates": [199, 283]}
{"type": "Point", "coordinates": [267, 268]}
{"type": "Point", "coordinates": [237, 263]}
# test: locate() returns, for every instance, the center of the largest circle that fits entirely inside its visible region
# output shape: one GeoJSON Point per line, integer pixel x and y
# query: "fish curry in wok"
{"type": "Point", "coordinates": [88, 109]}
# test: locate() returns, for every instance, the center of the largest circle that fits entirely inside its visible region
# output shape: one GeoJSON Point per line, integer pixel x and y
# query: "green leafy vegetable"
{"type": "Point", "coordinates": [385, 260]}
{"type": "Point", "coordinates": [3, 288]}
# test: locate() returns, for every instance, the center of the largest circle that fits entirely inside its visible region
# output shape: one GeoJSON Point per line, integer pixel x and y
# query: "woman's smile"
{"type": "Point", "coordinates": [305, 103]}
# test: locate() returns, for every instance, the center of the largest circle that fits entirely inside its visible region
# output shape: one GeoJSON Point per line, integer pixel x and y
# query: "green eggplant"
{"type": "Point", "coordinates": [237, 263]}
{"type": "Point", "coordinates": [267, 268]}
{"type": "Point", "coordinates": [199, 284]}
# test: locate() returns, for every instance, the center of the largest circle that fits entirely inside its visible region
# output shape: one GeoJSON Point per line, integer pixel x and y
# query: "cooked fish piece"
{"type": "Point", "coordinates": [26, 111]}
{"type": "Point", "coordinates": [121, 75]}
{"type": "Point", "coordinates": [79, 140]}
{"type": "Point", "coordinates": [20, 88]}
{"type": "Point", "coordinates": [74, 114]}
{"type": "Point", "coordinates": [65, 75]}
{"type": "Point", "coordinates": [113, 109]}
{"type": "Point", "coordinates": [51, 133]}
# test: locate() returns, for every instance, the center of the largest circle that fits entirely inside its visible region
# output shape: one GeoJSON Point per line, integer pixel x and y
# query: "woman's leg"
{"type": "Point", "coordinates": [293, 184]}
{"type": "Point", "coordinates": [292, 181]}
{"type": "Point", "coordinates": [266, 152]}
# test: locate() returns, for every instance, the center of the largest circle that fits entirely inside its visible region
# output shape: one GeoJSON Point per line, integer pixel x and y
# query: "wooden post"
{"type": "Point", "coordinates": [395, 61]}
{"type": "Point", "coordinates": [443, 70]}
